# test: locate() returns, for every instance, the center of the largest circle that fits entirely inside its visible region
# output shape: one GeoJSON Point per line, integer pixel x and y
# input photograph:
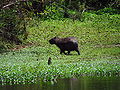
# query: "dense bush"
{"type": "Point", "coordinates": [11, 26]}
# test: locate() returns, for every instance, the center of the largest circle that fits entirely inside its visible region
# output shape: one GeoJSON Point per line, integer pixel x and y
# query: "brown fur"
{"type": "Point", "coordinates": [65, 44]}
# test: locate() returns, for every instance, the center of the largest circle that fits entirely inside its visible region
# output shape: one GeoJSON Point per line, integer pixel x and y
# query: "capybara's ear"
{"type": "Point", "coordinates": [55, 37]}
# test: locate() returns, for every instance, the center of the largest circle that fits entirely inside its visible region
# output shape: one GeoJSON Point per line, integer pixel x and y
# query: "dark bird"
{"type": "Point", "coordinates": [49, 61]}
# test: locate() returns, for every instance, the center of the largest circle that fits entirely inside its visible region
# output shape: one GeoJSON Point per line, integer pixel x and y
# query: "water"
{"type": "Point", "coordinates": [82, 83]}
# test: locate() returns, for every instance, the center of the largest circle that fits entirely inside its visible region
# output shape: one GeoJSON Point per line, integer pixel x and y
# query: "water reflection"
{"type": "Point", "coordinates": [82, 83]}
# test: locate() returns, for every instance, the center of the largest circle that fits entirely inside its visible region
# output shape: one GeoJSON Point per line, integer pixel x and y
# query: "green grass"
{"type": "Point", "coordinates": [99, 47]}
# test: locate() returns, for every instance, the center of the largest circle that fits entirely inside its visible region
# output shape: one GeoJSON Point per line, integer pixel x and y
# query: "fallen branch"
{"type": "Point", "coordinates": [13, 3]}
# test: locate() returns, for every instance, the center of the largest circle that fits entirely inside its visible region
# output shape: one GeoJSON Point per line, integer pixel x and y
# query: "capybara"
{"type": "Point", "coordinates": [65, 44]}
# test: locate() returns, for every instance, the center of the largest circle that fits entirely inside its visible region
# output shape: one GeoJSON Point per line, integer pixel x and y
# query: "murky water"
{"type": "Point", "coordinates": [82, 83]}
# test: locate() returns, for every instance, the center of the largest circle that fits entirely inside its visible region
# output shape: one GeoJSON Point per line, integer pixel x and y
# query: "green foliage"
{"type": "Point", "coordinates": [110, 11]}
{"type": "Point", "coordinates": [52, 11]}
{"type": "Point", "coordinates": [95, 29]}
{"type": "Point", "coordinates": [104, 21]}
{"type": "Point", "coordinates": [75, 15]}
{"type": "Point", "coordinates": [10, 22]}
{"type": "Point", "coordinates": [12, 27]}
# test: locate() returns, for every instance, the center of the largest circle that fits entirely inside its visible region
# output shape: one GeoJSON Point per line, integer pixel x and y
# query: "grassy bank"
{"type": "Point", "coordinates": [99, 45]}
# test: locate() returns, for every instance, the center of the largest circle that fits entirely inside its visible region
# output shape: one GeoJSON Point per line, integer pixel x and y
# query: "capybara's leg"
{"type": "Point", "coordinates": [61, 51]}
{"type": "Point", "coordinates": [68, 52]}
{"type": "Point", "coordinates": [77, 52]}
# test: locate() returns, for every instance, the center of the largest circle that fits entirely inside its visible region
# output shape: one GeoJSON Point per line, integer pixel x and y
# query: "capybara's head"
{"type": "Point", "coordinates": [53, 40]}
